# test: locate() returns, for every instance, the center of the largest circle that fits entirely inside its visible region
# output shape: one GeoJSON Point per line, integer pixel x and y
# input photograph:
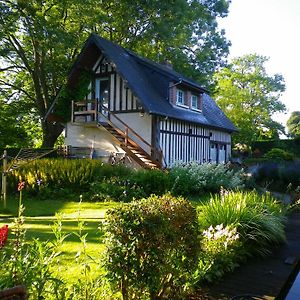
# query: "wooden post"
{"type": "Point", "coordinates": [126, 136]}
{"type": "Point", "coordinates": [4, 185]}
{"type": "Point", "coordinates": [72, 112]}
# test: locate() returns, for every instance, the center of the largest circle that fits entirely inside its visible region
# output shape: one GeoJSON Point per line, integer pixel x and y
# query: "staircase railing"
{"type": "Point", "coordinates": [97, 108]}
{"type": "Point", "coordinates": [156, 154]}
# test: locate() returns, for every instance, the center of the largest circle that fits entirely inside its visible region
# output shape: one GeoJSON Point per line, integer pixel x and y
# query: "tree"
{"type": "Point", "coordinates": [184, 32]}
{"type": "Point", "coordinates": [249, 97]}
{"type": "Point", "coordinates": [39, 40]}
{"type": "Point", "coordinates": [37, 44]}
{"type": "Point", "coordinates": [12, 133]}
{"type": "Point", "coordinates": [293, 125]}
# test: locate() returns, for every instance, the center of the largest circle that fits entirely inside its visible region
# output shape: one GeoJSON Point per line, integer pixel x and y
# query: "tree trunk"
{"type": "Point", "coordinates": [51, 131]}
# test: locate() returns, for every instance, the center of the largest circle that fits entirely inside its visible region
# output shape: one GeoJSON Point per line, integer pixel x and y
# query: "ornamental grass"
{"type": "Point", "coordinates": [259, 219]}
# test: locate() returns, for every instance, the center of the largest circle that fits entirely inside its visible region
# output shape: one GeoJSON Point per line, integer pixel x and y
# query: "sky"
{"type": "Point", "coordinates": [270, 28]}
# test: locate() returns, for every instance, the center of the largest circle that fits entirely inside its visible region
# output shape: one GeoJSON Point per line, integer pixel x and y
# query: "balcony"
{"type": "Point", "coordinates": [85, 111]}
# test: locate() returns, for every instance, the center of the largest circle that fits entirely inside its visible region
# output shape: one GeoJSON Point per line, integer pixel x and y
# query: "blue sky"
{"type": "Point", "coordinates": [270, 28]}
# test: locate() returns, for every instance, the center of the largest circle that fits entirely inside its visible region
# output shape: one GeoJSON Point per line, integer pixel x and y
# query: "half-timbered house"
{"type": "Point", "coordinates": [144, 110]}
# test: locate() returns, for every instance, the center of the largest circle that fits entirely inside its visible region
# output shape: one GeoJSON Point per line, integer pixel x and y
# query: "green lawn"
{"type": "Point", "coordinates": [39, 218]}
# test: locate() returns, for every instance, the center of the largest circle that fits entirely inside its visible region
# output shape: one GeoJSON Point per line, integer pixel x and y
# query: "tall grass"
{"type": "Point", "coordinates": [74, 174]}
{"type": "Point", "coordinates": [259, 218]}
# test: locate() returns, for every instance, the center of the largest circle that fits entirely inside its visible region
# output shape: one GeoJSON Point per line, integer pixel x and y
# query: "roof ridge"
{"type": "Point", "coordinates": [165, 70]}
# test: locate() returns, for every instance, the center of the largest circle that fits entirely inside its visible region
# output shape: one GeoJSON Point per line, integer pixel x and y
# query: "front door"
{"type": "Point", "coordinates": [102, 95]}
{"type": "Point", "coordinates": [213, 152]}
{"type": "Point", "coordinates": [222, 154]}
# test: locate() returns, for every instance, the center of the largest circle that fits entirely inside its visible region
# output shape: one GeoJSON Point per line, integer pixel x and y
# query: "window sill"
{"type": "Point", "coordinates": [196, 109]}
{"type": "Point", "coordinates": [182, 105]}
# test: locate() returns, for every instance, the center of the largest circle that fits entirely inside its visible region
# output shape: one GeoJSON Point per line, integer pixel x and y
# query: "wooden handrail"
{"type": "Point", "coordinates": [99, 107]}
{"type": "Point", "coordinates": [125, 125]}
{"type": "Point", "coordinates": [159, 152]}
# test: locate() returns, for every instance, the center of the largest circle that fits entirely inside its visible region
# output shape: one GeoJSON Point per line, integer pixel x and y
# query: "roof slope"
{"type": "Point", "coordinates": [149, 81]}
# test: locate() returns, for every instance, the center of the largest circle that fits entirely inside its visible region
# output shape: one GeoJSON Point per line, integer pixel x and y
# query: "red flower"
{"type": "Point", "coordinates": [21, 186]}
{"type": "Point", "coordinates": [3, 235]}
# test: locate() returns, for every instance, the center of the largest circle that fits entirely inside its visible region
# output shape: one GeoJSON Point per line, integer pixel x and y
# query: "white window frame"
{"type": "Point", "coordinates": [194, 98]}
{"type": "Point", "coordinates": [180, 95]}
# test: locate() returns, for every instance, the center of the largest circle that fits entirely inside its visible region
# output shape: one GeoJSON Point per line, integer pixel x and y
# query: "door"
{"type": "Point", "coordinates": [102, 95]}
{"type": "Point", "coordinates": [213, 152]}
{"type": "Point", "coordinates": [222, 154]}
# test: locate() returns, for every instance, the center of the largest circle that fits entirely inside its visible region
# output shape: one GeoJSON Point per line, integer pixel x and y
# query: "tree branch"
{"type": "Point", "coordinates": [20, 51]}
{"type": "Point", "coordinates": [12, 68]}
{"type": "Point", "coordinates": [17, 88]}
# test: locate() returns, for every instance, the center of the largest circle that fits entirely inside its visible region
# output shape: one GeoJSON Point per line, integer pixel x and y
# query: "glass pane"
{"type": "Point", "coordinates": [104, 92]}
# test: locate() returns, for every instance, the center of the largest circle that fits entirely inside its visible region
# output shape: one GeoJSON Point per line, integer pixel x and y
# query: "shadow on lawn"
{"type": "Point", "coordinates": [37, 208]}
{"type": "Point", "coordinates": [41, 228]}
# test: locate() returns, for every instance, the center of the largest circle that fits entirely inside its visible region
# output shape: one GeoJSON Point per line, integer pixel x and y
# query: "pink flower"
{"type": "Point", "coordinates": [21, 186]}
{"type": "Point", "coordinates": [3, 235]}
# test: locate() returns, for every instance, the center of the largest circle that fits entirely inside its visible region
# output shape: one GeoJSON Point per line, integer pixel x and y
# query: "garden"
{"type": "Point", "coordinates": [81, 229]}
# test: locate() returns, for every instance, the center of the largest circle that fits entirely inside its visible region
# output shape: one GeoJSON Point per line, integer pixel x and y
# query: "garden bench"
{"type": "Point", "coordinates": [15, 293]}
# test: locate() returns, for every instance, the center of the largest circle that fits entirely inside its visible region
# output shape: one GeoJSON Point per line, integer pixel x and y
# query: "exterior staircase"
{"type": "Point", "coordinates": [131, 148]}
{"type": "Point", "coordinates": [125, 136]}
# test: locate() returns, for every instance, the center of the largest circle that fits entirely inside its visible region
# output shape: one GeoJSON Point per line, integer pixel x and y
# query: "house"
{"type": "Point", "coordinates": [143, 110]}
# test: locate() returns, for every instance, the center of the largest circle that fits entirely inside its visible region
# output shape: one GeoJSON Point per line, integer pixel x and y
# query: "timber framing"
{"type": "Point", "coordinates": [133, 92]}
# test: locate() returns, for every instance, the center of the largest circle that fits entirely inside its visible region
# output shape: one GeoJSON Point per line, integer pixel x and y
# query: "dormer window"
{"type": "Point", "coordinates": [180, 97]}
{"type": "Point", "coordinates": [194, 102]}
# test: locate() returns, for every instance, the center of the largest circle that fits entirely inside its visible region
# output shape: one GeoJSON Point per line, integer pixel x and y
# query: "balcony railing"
{"type": "Point", "coordinates": [85, 111]}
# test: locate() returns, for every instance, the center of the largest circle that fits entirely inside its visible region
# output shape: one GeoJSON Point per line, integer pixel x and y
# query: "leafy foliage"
{"type": "Point", "coordinates": [279, 155]}
{"type": "Point", "coordinates": [33, 264]}
{"type": "Point", "coordinates": [152, 247]}
{"type": "Point", "coordinates": [221, 251]}
{"type": "Point", "coordinates": [249, 97]}
{"type": "Point", "coordinates": [194, 178]}
{"type": "Point", "coordinates": [151, 181]}
{"type": "Point", "coordinates": [293, 124]}
{"type": "Point", "coordinates": [115, 189]}
{"type": "Point", "coordinates": [41, 39]}
{"type": "Point", "coordinates": [27, 264]}
{"type": "Point", "coordinates": [104, 182]}
{"type": "Point", "coordinates": [12, 133]}
{"type": "Point", "coordinates": [259, 219]}
{"type": "Point", "coordinates": [279, 176]}
{"type": "Point", "coordinates": [56, 174]}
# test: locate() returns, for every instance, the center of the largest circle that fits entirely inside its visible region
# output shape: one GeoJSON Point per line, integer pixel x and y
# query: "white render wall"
{"type": "Point", "coordinates": [140, 123]}
{"type": "Point", "coordinates": [84, 136]}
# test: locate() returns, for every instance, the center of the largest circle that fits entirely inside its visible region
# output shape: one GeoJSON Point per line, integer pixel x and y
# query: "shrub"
{"type": "Point", "coordinates": [258, 219]}
{"type": "Point", "coordinates": [193, 178]}
{"type": "Point", "coordinates": [267, 173]}
{"type": "Point", "coordinates": [115, 189]}
{"type": "Point", "coordinates": [289, 174]}
{"type": "Point", "coordinates": [279, 176]}
{"type": "Point", "coordinates": [152, 247]}
{"type": "Point", "coordinates": [220, 252]}
{"type": "Point", "coordinates": [151, 181]}
{"type": "Point", "coordinates": [279, 155]}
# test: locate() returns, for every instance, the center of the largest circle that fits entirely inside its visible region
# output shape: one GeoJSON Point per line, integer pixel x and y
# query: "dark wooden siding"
{"type": "Point", "coordinates": [121, 98]}
{"type": "Point", "coordinates": [186, 142]}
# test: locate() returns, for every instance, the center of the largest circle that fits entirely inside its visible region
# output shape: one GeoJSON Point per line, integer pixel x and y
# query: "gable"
{"type": "Point", "coordinates": [149, 82]}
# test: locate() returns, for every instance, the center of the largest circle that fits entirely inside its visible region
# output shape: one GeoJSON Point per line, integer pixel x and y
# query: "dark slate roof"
{"type": "Point", "coordinates": [150, 81]}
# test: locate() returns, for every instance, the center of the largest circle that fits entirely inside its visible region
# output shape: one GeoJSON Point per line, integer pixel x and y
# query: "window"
{"type": "Point", "coordinates": [194, 102]}
{"type": "Point", "coordinates": [180, 97]}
